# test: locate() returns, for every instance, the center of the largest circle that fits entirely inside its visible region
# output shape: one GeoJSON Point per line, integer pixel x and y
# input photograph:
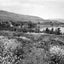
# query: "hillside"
{"type": "Point", "coordinates": [10, 16]}
{"type": "Point", "coordinates": [6, 16]}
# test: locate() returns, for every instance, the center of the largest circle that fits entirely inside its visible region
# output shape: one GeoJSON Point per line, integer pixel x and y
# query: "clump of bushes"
{"type": "Point", "coordinates": [19, 51]}
{"type": "Point", "coordinates": [7, 47]}
{"type": "Point", "coordinates": [56, 55]}
{"type": "Point", "coordinates": [56, 32]}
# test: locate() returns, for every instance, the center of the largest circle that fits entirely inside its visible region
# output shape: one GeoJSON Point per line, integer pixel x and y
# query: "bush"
{"type": "Point", "coordinates": [56, 55]}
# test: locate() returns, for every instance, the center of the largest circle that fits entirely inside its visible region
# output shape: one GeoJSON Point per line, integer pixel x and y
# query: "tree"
{"type": "Point", "coordinates": [58, 31]}
{"type": "Point", "coordinates": [31, 25]}
{"type": "Point", "coordinates": [37, 29]}
{"type": "Point", "coordinates": [52, 31]}
{"type": "Point", "coordinates": [47, 30]}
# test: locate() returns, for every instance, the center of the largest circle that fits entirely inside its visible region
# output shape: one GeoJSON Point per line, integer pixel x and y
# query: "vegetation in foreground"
{"type": "Point", "coordinates": [43, 50]}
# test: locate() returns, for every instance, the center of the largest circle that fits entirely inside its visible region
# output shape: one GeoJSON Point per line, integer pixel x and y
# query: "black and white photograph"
{"type": "Point", "coordinates": [31, 31]}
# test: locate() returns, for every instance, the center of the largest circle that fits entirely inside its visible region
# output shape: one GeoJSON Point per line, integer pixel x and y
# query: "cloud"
{"type": "Point", "coordinates": [42, 8]}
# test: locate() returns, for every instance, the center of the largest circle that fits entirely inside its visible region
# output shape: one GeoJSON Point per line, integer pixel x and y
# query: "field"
{"type": "Point", "coordinates": [23, 48]}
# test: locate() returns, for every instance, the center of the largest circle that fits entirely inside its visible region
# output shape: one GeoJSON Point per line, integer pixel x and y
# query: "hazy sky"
{"type": "Point", "coordinates": [42, 8]}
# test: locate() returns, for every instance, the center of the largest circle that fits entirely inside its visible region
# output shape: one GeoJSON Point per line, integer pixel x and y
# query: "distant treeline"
{"type": "Point", "coordinates": [18, 26]}
{"type": "Point", "coordinates": [26, 27]}
{"type": "Point", "coordinates": [52, 31]}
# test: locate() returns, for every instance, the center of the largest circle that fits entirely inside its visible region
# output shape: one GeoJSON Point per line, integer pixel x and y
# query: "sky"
{"type": "Point", "coordinates": [47, 9]}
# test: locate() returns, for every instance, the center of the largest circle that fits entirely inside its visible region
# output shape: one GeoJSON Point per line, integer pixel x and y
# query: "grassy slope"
{"type": "Point", "coordinates": [4, 15]}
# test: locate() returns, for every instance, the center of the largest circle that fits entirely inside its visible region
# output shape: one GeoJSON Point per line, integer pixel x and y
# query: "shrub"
{"type": "Point", "coordinates": [56, 55]}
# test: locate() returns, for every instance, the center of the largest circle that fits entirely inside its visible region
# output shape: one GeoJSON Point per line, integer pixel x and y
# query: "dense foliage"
{"type": "Point", "coordinates": [52, 31]}
{"type": "Point", "coordinates": [28, 50]}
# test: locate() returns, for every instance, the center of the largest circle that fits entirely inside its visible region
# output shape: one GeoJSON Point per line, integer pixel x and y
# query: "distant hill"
{"type": "Point", "coordinates": [9, 16]}
{"type": "Point", "coordinates": [6, 16]}
{"type": "Point", "coordinates": [60, 20]}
